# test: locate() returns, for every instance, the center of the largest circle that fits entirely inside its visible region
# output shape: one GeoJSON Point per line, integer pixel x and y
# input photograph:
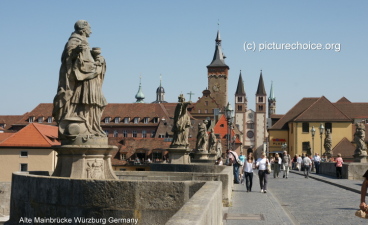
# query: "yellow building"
{"type": "Point", "coordinates": [30, 149]}
{"type": "Point", "coordinates": [294, 128]}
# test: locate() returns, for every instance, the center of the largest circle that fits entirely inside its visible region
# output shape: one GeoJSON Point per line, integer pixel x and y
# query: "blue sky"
{"type": "Point", "coordinates": [177, 39]}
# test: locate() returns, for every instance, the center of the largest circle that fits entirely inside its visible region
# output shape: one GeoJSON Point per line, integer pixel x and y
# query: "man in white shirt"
{"type": "Point", "coordinates": [317, 161]}
{"type": "Point", "coordinates": [307, 162]}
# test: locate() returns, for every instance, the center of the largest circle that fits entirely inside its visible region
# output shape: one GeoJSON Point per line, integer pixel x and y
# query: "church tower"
{"type": "Point", "coordinates": [241, 108]}
{"type": "Point", "coordinates": [218, 73]}
{"type": "Point", "coordinates": [271, 102]}
{"type": "Point", "coordinates": [260, 117]}
{"type": "Point", "coordinates": [140, 96]}
{"type": "Point", "coordinates": [160, 94]}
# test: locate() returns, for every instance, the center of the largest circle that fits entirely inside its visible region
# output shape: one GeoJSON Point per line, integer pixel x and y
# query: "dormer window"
{"type": "Point", "coordinates": [107, 120]}
{"type": "Point", "coordinates": [155, 120]}
{"type": "Point", "coordinates": [117, 119]}
{"type": "Point", "coordinates": [49, 119]}
{"type": "Point", "coordinates": [146, 120]}
{"type": "Point", "coordinates": [31, 119]}
{"type": "Point", "coordinates": [136, 120]}
{"type": "Point", "coordinates": [126, 120]}
{"type": "Point", "coordinates": [2, 125]}
{"type": "Point", "coordinates": [40, 119]}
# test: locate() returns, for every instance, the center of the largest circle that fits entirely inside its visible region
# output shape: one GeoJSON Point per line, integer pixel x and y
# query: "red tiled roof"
{"type": "Point", "coordinates": [294, 112]}
{"type": "Point", "coordinates": [353, 110]}
{"type": "Point", "coordinates": [4, 136]}
{"type": "Point", "coordinates": [345, 147]}
{"type": "Point", "coordinates": [33, 135]}
{"type": "Point", "coordinates": [221, 128]}
{"type": "Point", "coordinates": [322, 110]}
{"type": "Point", "coordinates": [10, 120]}
{"type": "Point", "coordinates": [343, 100]}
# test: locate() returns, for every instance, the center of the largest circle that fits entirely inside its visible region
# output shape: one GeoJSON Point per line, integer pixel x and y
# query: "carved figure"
{"type": "Point", "coordinates": [202, 136]}
{"type": "Point", "coordinates": [328, 142]}
{"type": "Point", "coordinates": [181, 124]}
{"type": "Point", "coordinates": [212, 141]}
{"type": "Point", "coordinates": [95, 170]}
{"type": "Point", "coordinates": [79, 102]}
{"type": "Point", "coordinates": [359, 136]}
{"type": "Point", "coordinates": [218, 149]}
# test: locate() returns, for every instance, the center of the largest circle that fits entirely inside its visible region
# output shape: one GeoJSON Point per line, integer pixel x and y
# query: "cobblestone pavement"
{"type": "Point", "coordinates": [296, 200]}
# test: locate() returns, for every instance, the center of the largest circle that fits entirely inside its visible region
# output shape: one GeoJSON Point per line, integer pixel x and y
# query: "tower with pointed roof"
{"type": "Point", "coordinates": [218, 73]}
{"type": "Point", "coordinates": [271, 102]}
{"type": "Point", "coordinates": [260, 116]}
{"type": "Point", "coordinates": [140, 96]}
{"type": "Point", "coordinates": [241, 107]}
{"type": "Point", "coordinates": [160, 94]}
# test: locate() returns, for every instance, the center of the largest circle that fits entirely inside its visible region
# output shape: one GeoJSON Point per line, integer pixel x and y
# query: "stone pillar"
{"type": "Point", "coordinates": [362, 158]}
{"type": "Point", "coordinates": [179, 155]}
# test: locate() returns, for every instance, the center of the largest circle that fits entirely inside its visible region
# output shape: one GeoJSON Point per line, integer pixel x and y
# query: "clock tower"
{"type": "Point", "coordinates": [218, 73]}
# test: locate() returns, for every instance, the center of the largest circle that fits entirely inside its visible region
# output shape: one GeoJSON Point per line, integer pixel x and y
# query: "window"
{"type": "Point", "coordinates": [157, 156]}
{"type": "Point", "coordinates": [206, 102]}
{"type": "Point", "coordinates": [328, 126]}
{"type": "Point", "coordinates": [134, 133]}
{"type": "Point", "coordinates": [126, 120]}
{"type": "Point", "coordinates": [305, 127]}
{"type": "Point", "coordinates": [146, 120]}
{"type": "Point", "coordinates": [240, 108]}
{"type": "Point", "coordinates": [23, 167]}
{"type": "Point", "coordinates": [161, 136]}
{"type": "Point", "coordinates": [125, 133]}
{"type": "Point", "coordinates": [205, 111]}
{"type": "Point", "coordinates": [155, 120]}
{"type": "Point", "coordinates": [2, 125]}
{"type": "Point", "coordinates": [144, 134]}
{"type": "Point", "coordinates": [240, 99]}
{"type": "Point", "coordinates": [116, 133]}
{"type": "Point", "coordinates": [107, 132]}
{"type": "Point", "coordinates": [123, 156]}
{"type": "Point", "coordinates": [306, 147]}
{"type": "Point", "coordinates": [49, 119]}
{"type": "Point", "coordinates": [136, 120]}
{"type": "Point", "coordinates": [199, 111]}
{"type": "Point", "coordinates": [40, 119]}
{"type": "Point", "coordinates": [260, 99]}
{"type": "Point", "coordinates": [31, 119]}
{"type": "Point", "coordinates": [260, 107]}
{"type": "Point", "coordinates": [107, 120]}
{"type": "Point", "coordinates": [153, 134]}
{"type": "Point", "coordinates": [117, 119]}
{"type": "Point", "coordinates": [23, 153]}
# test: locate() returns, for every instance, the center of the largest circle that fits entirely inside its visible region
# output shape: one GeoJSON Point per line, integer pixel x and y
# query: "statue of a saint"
{"type": "Point", "coordinates": [212, 141]}
{"type": "Point", "coordinates": [181, 124]}
{"type": "Point", "coordinates": [359, 136]}
{"type": "Point", "coordinates": [202, 136]}
{"type": "Point", "coordinates": [79, 102]}
{"type": "Point", "coordinates": [328, 142]}
{"type": "Point", "coordinates": [218, 149]}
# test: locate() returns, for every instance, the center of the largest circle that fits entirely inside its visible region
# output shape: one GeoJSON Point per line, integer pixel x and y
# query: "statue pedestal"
{"type": "Point", "coordinates": [179, 155]}
{"type": "Point", "coordinates": [363, 158]}
{"type": "Point", "coordinates": [85, 161]}
{"type": "Point", "coordinates": [199, 155]}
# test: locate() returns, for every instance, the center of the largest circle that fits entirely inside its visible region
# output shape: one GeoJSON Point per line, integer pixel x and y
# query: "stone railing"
{"type": "Point", "coordinates": [351, 171]}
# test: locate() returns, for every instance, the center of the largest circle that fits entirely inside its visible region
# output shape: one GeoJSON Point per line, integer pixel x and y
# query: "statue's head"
{"type": "Point", "coordinates": [181, 98]}
{"type": "Point", "coordinates": [82, 27]}
{"type": "Point", "coordinates": [205, 121]}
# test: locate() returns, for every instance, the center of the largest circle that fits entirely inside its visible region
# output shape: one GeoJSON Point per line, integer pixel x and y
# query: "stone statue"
{"type": "Point", "coordinates": [181, 124]}
{"type": "Point", "coordinates": [212, 141]}
{"type": "Point", "coordinates": [218, 149]}
{"type": "Point", "coordinates": [328, 143]}
{"type": "Point", "coordinates": [202, 136]}
{"type": "Point", "coordinates": [359, 139]}
{"type": "Point", "coordinates": [79, 102]}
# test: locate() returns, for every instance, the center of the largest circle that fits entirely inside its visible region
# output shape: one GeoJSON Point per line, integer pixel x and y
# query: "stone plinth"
{"type": "Point", "coordinates": [363, 158]}
{"type": "Point", "coordinates": [179, 155]}
{"type": "Point", "coordinates": [84, 161]}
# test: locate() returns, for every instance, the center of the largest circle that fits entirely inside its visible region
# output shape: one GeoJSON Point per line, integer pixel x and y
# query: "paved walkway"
{"type": "Point", "coordinates": [320, 199]}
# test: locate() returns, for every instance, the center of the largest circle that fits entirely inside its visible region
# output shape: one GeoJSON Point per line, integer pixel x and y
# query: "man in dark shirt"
{"type": "Point", "coordinates": [363, 206]}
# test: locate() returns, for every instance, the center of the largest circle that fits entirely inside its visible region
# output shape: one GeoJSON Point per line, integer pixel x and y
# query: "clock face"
{"type": "Point", "coordinates": [250, 134]}
{"type": "Point", "coordinates": [216, 87]}
{"type": "Point", "coordinates": [250, 115]}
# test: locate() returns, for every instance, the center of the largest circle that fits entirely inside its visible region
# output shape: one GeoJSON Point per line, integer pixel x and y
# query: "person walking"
{"type": "Point", "coordinates": [286, 163]}
{"type": "Point", "coordinates": [317, 162]}
{"type": "Point", "coordinates": [248, 172]}
{"type": "Point", "coordinates": [241, 176]}
{"type": "Point", "coordinates": [276, 165]}
{"type": "Point", "coordinates": [307, 162]}
{"type": "Point", "coordinates": [339, 163]}
{"type": "Point", "coordinates": [298, 162]}
{"type": "Point", "coordinates": [233, 156]}
{"type": "Point", "coordinates": [261, 165]}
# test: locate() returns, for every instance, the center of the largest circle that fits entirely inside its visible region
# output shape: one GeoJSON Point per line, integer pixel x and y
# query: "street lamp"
{"type": "Point", "coordinates": [321, 130]}
{"type": "Point", "coordinates": [229, 115]}
{"type": "Point", "coordinates": [313, 131]}
{"type": "Point", "coordinates": [284, 146]}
